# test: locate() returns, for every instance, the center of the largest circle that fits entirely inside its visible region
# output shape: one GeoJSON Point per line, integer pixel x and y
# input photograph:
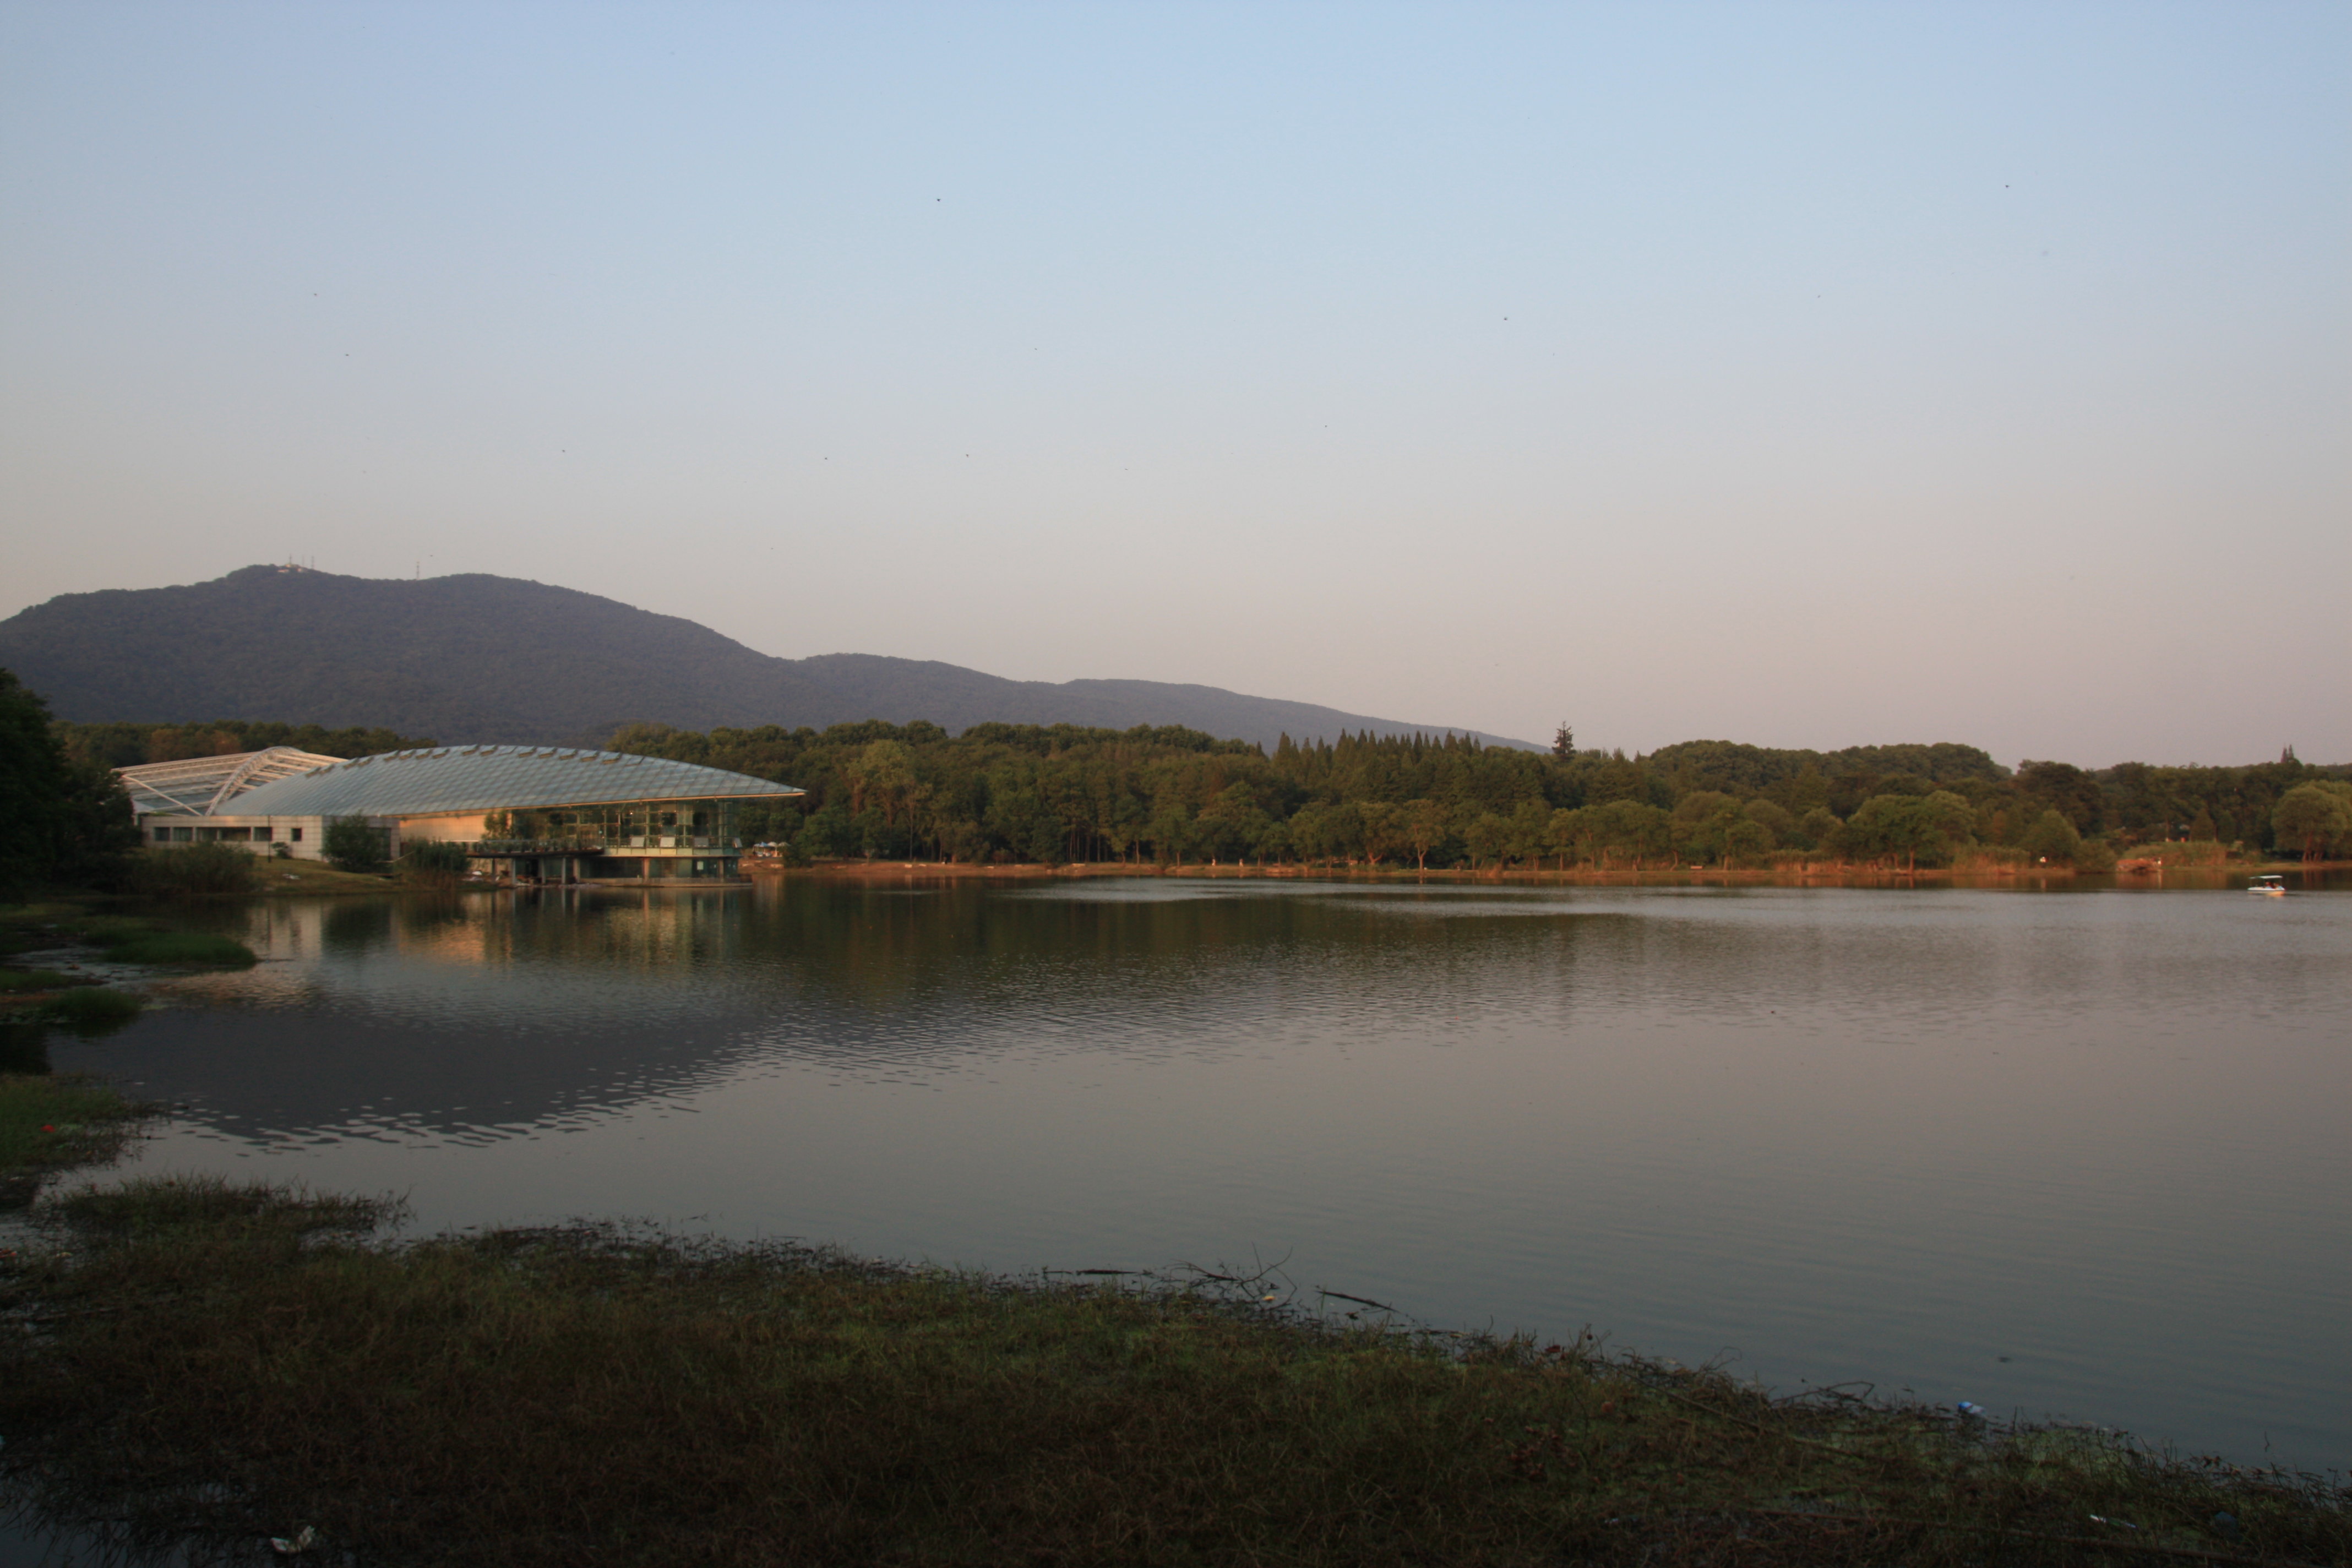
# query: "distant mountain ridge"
{"type": "Point", "coordinates": [476, 658]}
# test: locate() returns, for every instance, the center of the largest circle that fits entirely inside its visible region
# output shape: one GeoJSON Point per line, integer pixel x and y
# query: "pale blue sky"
{"type": "Point", "coordinates": [1802, 374]}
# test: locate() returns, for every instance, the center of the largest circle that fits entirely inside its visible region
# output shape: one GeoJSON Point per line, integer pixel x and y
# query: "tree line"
{"type": "Point", "coordinates": [1002, 792]}
{"type": "Point", "coordinates": [1060, 794]}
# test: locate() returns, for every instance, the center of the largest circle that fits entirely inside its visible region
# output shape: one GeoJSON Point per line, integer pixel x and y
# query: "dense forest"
{"type": "Point", "coordinates": [1166, 796]}
{"type": "Point", "coordinates": [1025, 792]}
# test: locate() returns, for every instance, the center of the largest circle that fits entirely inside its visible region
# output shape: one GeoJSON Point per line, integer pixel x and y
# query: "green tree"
{"type": "Point", "coordinates": [60, 821]}
{"type": "Point", "coordinates": [1047, 843]}
{"type": "Point", "coordinates": [2316, 815]}
{"type": "Point", "coordinates": [1819, 828]}
{"type": "Point", "coordinates": [1172, 833]}
{"type": "Point", "coordinates": [1531, 823]}
{"type": "Point", "coordinates": [1384, 828]}
{"type": "Point", "coordinates": [2052, 838]}
{"type": "Point", "coordinates": [351, 843]}
{"type": "Point", "coordinates": [882, 776]}
{"type": "Point", "coordinates": [1701, 819]}
{"type": "Point", "coordinates": [829, 833]}
{"type": "Point", "coordinates": [1946, 822]}
{"type": "Point", "coordinates": [1773, 817]}
{"type": "Point", "coordinates": [1230, 825]}
{"type": "Point", "coordinates": [1424, 829]}
{"type": "Point", "coordinates": [1916, 827]}
{"type": "Point", "coordinates": [1635, 830]}
{"type": "Point", "coordinates": [1746, 839]}
{"type": "Point", "coordinates": [1565, 833]}
{"type": "Point", "coordinates": [1887, 828]}
{"type": "Point", "coordinates": [1486, 838]}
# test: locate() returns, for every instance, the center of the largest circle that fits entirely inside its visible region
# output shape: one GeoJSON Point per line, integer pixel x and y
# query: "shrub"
{"type": "Point", "coordinates": [193, 870]}
{"type": "Point", "coordinates": [352, 844]}
{"type": "Point", "coordinates": [2052, 838]}
{"type": "Point", "coordinates": [36, 980]}
{"type": "Point", "coordinates": [90, 1009]}
{"type": "Point", "coordinates": [2093, 855]}
{"type": "Point", "coordinates": [184, 947]}
{"type": "Point", "coordinates": [434, 860]}
{"type": "Point", "coordinates": [47, 1120]}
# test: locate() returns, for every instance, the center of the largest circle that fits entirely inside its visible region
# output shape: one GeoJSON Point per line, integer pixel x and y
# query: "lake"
{"type": "Point", "coordinates": [2077, 1153]}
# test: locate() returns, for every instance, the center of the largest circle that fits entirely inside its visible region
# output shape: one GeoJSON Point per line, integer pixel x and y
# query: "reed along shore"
{"type": "Point", "coordinates": [194, 1360]}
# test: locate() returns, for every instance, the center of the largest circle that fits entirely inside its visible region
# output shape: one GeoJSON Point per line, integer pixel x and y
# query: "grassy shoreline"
{"type": "Point", "coordinates": [187, 1360]}
{"type": "Point", "coordinates": [51, 1122]}
{"type": "Point", "coordinates": [236, 1362]}
{"type": "Point", "coordinates": [79, 998]}
{"type": "Point", "coordinates": [1810, 874]}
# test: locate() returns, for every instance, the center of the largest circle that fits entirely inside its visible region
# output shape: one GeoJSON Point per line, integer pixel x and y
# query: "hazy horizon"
{"type": "Point", "coordinates": [1805, 375]}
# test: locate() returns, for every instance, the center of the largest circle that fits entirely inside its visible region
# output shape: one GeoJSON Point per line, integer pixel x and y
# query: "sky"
{"type": "Point", "coordinates": [1807, 375]}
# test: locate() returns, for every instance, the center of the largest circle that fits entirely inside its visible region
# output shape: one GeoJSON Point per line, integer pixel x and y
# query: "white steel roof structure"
{"type": "Point", "coordinates": [200, 786]}
{"type": "Point", "coordinates": [449, 779]}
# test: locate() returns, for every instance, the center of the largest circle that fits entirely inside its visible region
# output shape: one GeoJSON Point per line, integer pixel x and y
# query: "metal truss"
{"type": "Point", "coordinates": [200, 786]}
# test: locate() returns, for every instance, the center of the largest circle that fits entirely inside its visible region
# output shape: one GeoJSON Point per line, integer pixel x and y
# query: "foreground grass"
{"type": "Point", "coordinates": [16, 981]}
{"type": "Point", "coordinates": [188, 947]}
{"type": "Point", "coordinates": [124, 939]}
{"type": "Point", "coordinates": [52, 1122]}
{"type": "Point", "coordinates": [242, 1362]}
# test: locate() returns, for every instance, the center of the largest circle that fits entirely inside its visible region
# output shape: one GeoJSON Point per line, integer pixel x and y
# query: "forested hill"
{"type": "Point", "coordinates": [474, 659]}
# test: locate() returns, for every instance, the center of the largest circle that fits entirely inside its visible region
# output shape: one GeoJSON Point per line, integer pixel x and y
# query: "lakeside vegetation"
{"type": "Point", "coordinates": [35, 999]}
{"type": "Point", "coordinates": [237, 1361]}
{"type": "Point", "coordinates": [1022, 793]}
{"type": "Point", "coordinates": [57, 1121]}
{"type": "Point", "coordinates": [1007, 793]}
{"type": "Point", "coordinates": [232, 1363]}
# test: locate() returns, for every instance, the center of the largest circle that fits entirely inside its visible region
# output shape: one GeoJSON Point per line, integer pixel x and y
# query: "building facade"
{"type": "Point", "coordinates": [549, 813]}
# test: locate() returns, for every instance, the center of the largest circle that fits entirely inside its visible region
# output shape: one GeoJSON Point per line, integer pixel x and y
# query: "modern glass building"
{"type": "Point", "coordinates": [546, 813]}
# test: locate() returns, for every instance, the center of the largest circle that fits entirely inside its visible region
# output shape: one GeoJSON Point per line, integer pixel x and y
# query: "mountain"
{"type": "Point", "coordinates": [476, 658]}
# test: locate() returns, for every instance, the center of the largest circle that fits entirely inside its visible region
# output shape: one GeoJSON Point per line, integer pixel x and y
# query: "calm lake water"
{"type": "Point", "coordinates": [2077, 1153]}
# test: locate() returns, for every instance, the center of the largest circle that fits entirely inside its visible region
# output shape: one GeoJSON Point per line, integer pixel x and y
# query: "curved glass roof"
{"type": "Point", "coordinates": [494, 778]}
{"type": "Point", "coordinates": [200, 786]}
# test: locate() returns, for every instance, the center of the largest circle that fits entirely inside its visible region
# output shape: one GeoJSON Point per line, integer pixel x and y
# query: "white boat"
{"type": "Point", "coordinates": [2270, 887]}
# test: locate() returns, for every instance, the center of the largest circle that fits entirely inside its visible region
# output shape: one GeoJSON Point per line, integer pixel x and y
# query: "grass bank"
{"type": "Point", "coordinates": [50, 1122]}
{"type": "Point", "coordinates": [243, 1362]}
{"type": "Point", "coordinates": [77, 1000]}
{"type": "Point", "coordinates": [121, 938]}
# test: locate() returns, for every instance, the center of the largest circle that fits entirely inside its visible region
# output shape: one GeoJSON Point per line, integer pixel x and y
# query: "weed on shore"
{"type": "Point", "coordinates": [53, 1121]}
{"type": "Point", "coordinates": [242, 1362]}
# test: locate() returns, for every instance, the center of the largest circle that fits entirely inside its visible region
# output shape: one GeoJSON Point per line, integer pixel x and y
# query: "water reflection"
{"type": "Point", "coordinates": [2069, 1150]}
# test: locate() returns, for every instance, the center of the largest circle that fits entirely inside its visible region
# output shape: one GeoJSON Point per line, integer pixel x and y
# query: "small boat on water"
{"type": "Point", "coordinates": [2272, 886]}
